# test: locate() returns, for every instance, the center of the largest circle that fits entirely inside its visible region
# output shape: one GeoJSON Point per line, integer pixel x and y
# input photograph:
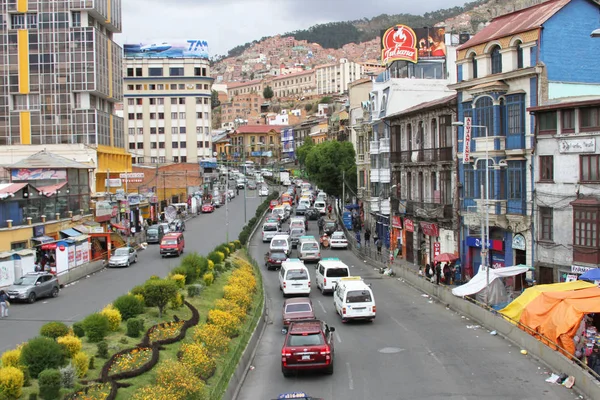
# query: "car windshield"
{"type": "Point", "coordinates": [300, 307]}
{"type": "Point", "coordinates": [338, 235]}
{"type": "Point", "coordinates": [152, 231]}
{"type": "Point", "coordinates": [358, 296]}
{"type": "Point", "coordinates": [297, 232]}
{"type": "Point", "coordinates": [301, 206]}
{"type": "Point", "coordinates": [270, 228]}
{"type": "Point", "coordinates": [337, 272]}
{"type": "Point", "coordinates": [122, 251]}
{"type": "Point", "coordinates": [26, 281]}
{"type": "Point", "coordinates": [310, 246]}
{"type": "Point", "coordinates": [279, 243]}
{"type": "Point", "coordinates": [329, 224]}
{"type": "Point", "coordinates": [278, 256]}
{"type": "Point", "coordinates": [297, 275]}
{"type": "Point", "coordinates": [169, 242]}
{"type": "Point", "coordinates": [311, 339]}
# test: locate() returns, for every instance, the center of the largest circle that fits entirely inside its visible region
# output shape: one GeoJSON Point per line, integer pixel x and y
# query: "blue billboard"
{"type": "Point", "coordinates": [193, 48]}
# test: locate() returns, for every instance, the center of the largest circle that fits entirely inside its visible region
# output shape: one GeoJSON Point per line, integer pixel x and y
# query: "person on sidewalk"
{"type": "Point", "coordinates": [321, 223]}
{"type": "Point", "coordinates": [329, 210]}
{"type": "Point", "coordinates": [428, 272]}
{"type": "Point", "coordinates": [447, 274]}
{"type": "Point", "coordinates": [358, 239]}
{"type": "Point", "coordinates": [593, 360]}
{"type": "Point", "coordinates": [378, 244]}
{"type": "Point", "coordinates": [438, 273]}
{"type": "Point", "coordinates": [3, 304]}
{"type": "Point", "coordinates": [367, 237]}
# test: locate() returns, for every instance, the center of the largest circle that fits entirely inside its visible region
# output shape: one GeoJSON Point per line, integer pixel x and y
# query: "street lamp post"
{"type": "Point", "coordinates": [486, 228]}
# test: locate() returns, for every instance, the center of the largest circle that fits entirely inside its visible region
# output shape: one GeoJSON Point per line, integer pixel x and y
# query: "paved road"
{"type": "Point", "coordinates": [76, 301]}
{"type": "Point", "coordinates": [415, 349]}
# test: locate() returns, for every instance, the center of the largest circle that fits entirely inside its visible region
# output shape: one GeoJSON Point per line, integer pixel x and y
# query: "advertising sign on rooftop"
{"type": "Point", "coordinates": [402, 43]}
{"type": "Point", "coordinates": [182, 48]}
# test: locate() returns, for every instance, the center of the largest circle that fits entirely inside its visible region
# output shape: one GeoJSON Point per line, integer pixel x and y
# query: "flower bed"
{"type": "Point", "coordinates": [130, 360]}
{"type": "Point", "coordinates": [165, 331]}
{"type": "Point", "coordinates": [101, 391]}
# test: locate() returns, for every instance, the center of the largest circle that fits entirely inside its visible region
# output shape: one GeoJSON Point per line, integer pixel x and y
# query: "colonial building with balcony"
{"type": "Point", "coordinates": [302, 131]}
{"type": "Point", "coordinates": [519, 60]}
{"type": "Point", "coordinates": [424, 175]}
{"type": "Point", "coordinates": [567, 188]}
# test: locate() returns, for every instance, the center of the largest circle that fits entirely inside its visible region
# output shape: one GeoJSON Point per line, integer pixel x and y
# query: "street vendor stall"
{"type": "Point", "coordinates": [72, 253]}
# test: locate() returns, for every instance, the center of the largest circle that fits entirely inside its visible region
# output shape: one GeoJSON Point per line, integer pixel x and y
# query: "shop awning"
{"type": "Point", "coordinates": [49, 246]}
{"type": "Point", "coordinates": [25, 253]}
{"type": "Point", "coordinates": [82, 228]}
{"type": "Point", "coordinates": [5, 254]}
{"type": "Point", "coordinates": [120, 227]}
{"type": "Point", "coordinates": [51, 189]}
{"type": "Point", "coordinates": [43, 239]}
{"type": "Point", "coordinates": [70, 232]}
{"type": "Point", "coordinates": [481, 280]}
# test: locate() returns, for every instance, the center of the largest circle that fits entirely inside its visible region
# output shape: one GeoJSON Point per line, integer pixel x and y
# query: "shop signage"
{"type": "Point", "coordinates": [396, 222]}
{"type": "Point", "coordinates": [133, 177]}
{"type": "Point", "coordinates": [497, 245]}
{"type": "Point", "coordinates": [430, 229]}
{"type": "Point", "coordinates": [104, 211]}
{"type": "Point", "coordinates": [35, 174]}
{"type": "Point", "coordinates": [577, 269]}
{"type": "Point", "coordinates": [436, 249]}
{"type": "Point", "coordinates": [399, 43]}
{"type": "Point", "coordinates": [112, 183]}
{"type": "Point", "coordinates": [134, 199]}
{"type": "Point", "coordinates": [498, 260]}
{"type": "Point", "coordinates": [467, 140]}
{"type": "Point", "coordinates": [518, 242]}
{"type": "Point", "coordinates": [577, 146]}
{"type": "Point", "coordinates": [409, 225]}
{"type": "Point", "coordinates": [39, 230]}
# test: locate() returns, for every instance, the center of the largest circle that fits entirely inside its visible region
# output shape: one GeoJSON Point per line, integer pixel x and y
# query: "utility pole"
{"type": "Point", "coordinates": [245, 184]}
{"type": "Point", "coordinates": [164, 191]}
{"type": "Point", "coordinates": [343, 189]}
{"type": "Point", "coordinates": [484, 251]}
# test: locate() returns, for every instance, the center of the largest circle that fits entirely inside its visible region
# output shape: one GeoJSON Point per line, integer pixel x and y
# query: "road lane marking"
{"type": "Point", "coordinates": [322, 306]}
{"type": "Point", "coordinates": [400, 324]}
{"type": "Point", "coordinates": [337, 336]}
{"type": "Point", "coordinates": [350, 380]}
{"type": "Point", "coordinates": [432, 354]}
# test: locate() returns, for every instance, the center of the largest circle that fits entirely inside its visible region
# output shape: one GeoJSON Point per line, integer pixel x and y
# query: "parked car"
{"type": "Point", "coordinates": [297, 308]}
{"type": "Point", "coordinates": [33, 286]}
{"type": "Point", "coordinates": [208, 208]}
{"type": "Point", "coordinates": [308, 345]}
{"type": "Point", "coordinates": [155, 233]}
{"type": "Point", "coordinates": [123, 257]}
{"type": "Point", "coordinates": [273, 259]}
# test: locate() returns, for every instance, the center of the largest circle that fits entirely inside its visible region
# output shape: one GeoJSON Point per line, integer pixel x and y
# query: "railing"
{"type": "Point", "coordinates": [360, 158]}
{"type": "Point", "coordinates": [429, 210]}
{"type": "Point", "coordinates": [441, 154]}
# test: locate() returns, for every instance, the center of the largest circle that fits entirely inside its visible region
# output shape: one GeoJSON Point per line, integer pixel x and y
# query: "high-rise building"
{"type": "Point", "coordinates": [61, 78]}
{"type": "Point", "coordinates": [167, 109]}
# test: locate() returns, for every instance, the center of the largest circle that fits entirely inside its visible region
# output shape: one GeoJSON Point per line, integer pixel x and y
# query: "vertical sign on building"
{"type": "Point", "coordinates": [467, 140]}
{"type": "Point", "coordinates": [436, 249]}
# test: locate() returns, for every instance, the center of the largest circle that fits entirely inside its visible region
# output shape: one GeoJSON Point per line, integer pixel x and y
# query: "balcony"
{"type": "Point", "coordinates": [374, 175]}
{"type": "Point", "coordinates": [384, 175]}
{"type": "Point", "coordinates": [442, 154]}
{"type": "Point", "coordinates": [429, 210]}
{"type": "Point", "coordinates": [374, 204]}
{"type": "Point", "coordinates": [374, 147]}
{"type": "Point", "coordinates": [360, 158]}
{"type": "Point", "coordinates": [384, 145]}
{"type": "Point", "coordinates": [491, 143]}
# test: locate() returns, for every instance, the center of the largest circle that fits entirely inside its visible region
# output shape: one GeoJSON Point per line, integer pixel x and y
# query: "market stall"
{"type": "Point", "coordinates": [71, 253]}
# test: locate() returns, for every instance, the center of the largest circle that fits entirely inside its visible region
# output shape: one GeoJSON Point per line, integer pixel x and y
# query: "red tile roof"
{"type": "Point", "coordinates": [516, 22]}
{"type": "Point", "coordinates": [51, 189]}
{"type": "Point", "coordinates": [260, 128]}
{"type": "Point", "coordinates": [10, 189]}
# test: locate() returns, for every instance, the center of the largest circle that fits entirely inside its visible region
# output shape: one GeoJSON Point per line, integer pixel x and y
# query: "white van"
{"type": "Point", "coordinates": [353, 299]}
{"type": "Point", "coordinates": [281, 243]}
{"type": "Point", "coordinates": [309, 249]}
{"type": "Point", "coordinates": [295, 234]}
{"type": "Point", "coordinates": [322, 196]}
{"type": "Point", "coordinates": [269, 231]}
{"type": "Point", "coordinates": [321, 206]}
{"type": "Point", "coordinates": [305, 201]}
{"type": "Point", "coordinates": [329, 272]}
{"type": "Point", "coordinates": [280, 211]}
{"type": "Point", "coordinates": [294, 278]}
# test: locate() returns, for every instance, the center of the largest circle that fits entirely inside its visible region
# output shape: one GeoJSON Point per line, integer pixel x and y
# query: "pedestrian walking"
{"type": "Point", "coordinates": [358, 239]}
{"type": "Point", "coordinates": [321, 223]}
{"type": "Point", "coordinates": [593, 361]}
{"type": "Point", "coordinates": [4, 304]}
{"type": "Point", "coordinates": [378, 244]}
{"type": "Point", "coordinates": [428, 272]}
{"type": "Point", "coordinates": [438, 273]}
{"type": "Point", "coordinates": [329, 210]}
{"type": "Point", "coordinates": [447, 274]}
{"type": "Point", "coordinates": [367, 237]}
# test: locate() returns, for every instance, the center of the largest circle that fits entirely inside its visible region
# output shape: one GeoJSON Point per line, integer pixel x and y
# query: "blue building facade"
{"type": "Point", "coordinates": [519, 60]}
{"type": "Point", "coordinates": [287, 143]}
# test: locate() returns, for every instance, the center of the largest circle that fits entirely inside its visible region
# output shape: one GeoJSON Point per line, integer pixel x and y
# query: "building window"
{"type": "Point", "coordinates": [496, 58]}
{"type": "Point", "coordinates": [153, 145]}
{"type": "Point", "coordinates": [153, 130]}
{"type": "Point", "coordinates": [131, 146]}
{"type": "Point", "coordinates": [182, 145]}
{"type": "Point", "coordinates": [197, 71]}
{"type": "Point", "coordinates": [469, 184]}
{"type": "Point", "coordinates": [161, 130]}
{"type": "Point", "coordinates": [139, 116]}
{"type": "Point", "coordinates": [206, 144]}
{"type": "Point", "coordinates": [138, 72]}
{"type": "Point", "coordinates": [173, 115]}
{"type": "Point", "coordinates": [199, 129]}
{"type": "Point", "coordinates": [140, 145]}
{"type": "Point", "coordinates": [181, 115]}
{"type": "Point", "coordinates": [198, 115]}
{"type": "Point", "coordinates": [568, 121]}
{"type": "Point", "coordinates": [140, 160]}
{"type": "Point", "coordinates": [474, 66]}
{"type": "Point", "coordinates": [175, 145]}
{"type": "Point", "coordinates": [546, 168]}
{"type": "Point", "coordinates": [176, 71]}
{"type": "Point", "coordinates": [161, 145]}
{"type": "Point", "coordinates": [484, 115]}
{"type": "Point", "coordinates": [183, 159]}
{"type": "Point", "coordinates": [174, 130]}
{"type": "Point", "coordinates": [516, 179]}
{"type": "Point", "coordinates": [152, 115]}
{"type": "Point", "coordinates": [182, 100]}
{"type": "Point", "coordinates": [175, 159]}
{"type": "Point", "coordinates": [547, 220]}
{"type": "Point", "coordinates": [182, 129]}
{"type": "Point", "coordinates": [515, 114]}
{"type": "Point", "coordinates": [132, 131]}
{"type": "Point", "coordinates": [162, 159]}
{"type": "Point", "coordinates": [547, 123]}
{"type": "Point", "coordinates": [161, 115]}
{"type": "Point", "coordinates": [153, 160]}
{"type": "Point", "coordinates": [589, 168]}
{"type": "Point", "coordinates": [155, 71]}
{"type": "Point", "coordinates": [174, 101]}
{"type": "Point", "coordinates": [585, 227]}
{"type": "Point", "coordinates": [131, 116]}
{"type": "Point", "coordinates": [519, 55]}
{"type": "Point", "coordinates": [76, 18]}
{"type": "Point", "coordinates": [200, 144]}
{"type": "Point", "coordinates": [589, 118]}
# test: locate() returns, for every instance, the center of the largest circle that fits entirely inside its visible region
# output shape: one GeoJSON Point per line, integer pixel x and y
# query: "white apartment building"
{"type": "Point", "coordinates": [335, 78]}
{"type": "Point", "coordinates": [167, 109]}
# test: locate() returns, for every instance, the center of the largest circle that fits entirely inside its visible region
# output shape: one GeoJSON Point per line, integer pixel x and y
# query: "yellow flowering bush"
{"type": "Point", "coordinates": [81, 362]}
{"type": "Point", "coordinates": [238, 244]}
{"type": "Point", "coordinates": [231, 307]}
{"type": "Point", "coordinates": [140, 298]}
{"type": "Point", "coordinates": [174, 381]}
{"type": "Point", "coordinates": [248, 282]}
{"type": "Point", "coordinates": [71, 344]}
{"type": "Point", "coordinates": [176, 302]}
{"type": "Point", "coordinates": [211, 266]}
{"type": "Point", "coordinates": [239, 295]}
{"type": "Point", "coordinates": [212, 337]}
{"type": "Point", "coordinates": [179, 279]}
{"type": "Point", "coordinates": [228, 323]}
{"type": "Point", "coordinates": [11, 358]}
{"type": "Point", "coordinates": [11, 382]}
{"type": "Point", "coordinates": [114, 317]}
{"type": "Point", "coordinates": [198, 359]}
{"type": "Point", "coordinates": [208, 278]}
{"type": "Point", "coordinates": [231, 246]}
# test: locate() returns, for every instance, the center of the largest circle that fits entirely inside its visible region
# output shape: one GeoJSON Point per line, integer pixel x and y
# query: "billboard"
{"type": "Point", "coordinates": [402, 43]}
{"type": "Point", "coordinates": [193, 48]}
{"type": "Point", "coordinates": [34, 174]}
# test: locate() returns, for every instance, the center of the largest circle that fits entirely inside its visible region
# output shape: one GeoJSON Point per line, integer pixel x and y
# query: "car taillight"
{"type": "Point", "coordinates": [318, 254]}
{"type": "Point", "coordinates": [344, 310]}
{"type": "Point", "coordinates": [374, 308]}
{"type": "Point", "coordinates": [284, 285]}
{"type": "Point", "coordinates": [325, 281]}
{"type": "Point", "coordinates": [325, 351]}
{"type": "Point", "coordinates": [308, 283]}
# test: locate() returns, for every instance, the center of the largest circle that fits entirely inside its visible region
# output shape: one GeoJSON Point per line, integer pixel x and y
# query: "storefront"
{"type": "Point", "coordinates": [566, 274]}
{"type": "Point", "coordinates": [473, 256]}
{"type": "Point", "coordinates": [408, 240]}
{"type": "Point", "coordinates": [431, 233]}
{"type": "Point", "coordinates": [396, 239]}
{"type": "Point", "coordinates": [71, 253]}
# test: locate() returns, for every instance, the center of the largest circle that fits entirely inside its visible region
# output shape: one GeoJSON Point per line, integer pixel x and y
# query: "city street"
{"type": "Point", "coordinates": [415, 349]}
{"type": "Point", "coordinates": [76, 301]}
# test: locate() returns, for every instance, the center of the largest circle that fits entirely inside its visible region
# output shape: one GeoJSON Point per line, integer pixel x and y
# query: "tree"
{"type": "Point", "coordinates": [328, 162]}
{"type": "Point", "coordinates": [159, 292]}
{"type": "Point", "coordinates": [268, 93]}
{"type": "Point", "coordinates": [214, 99]}
{"type": "Point", "coordinates": [325, 100]}
{"type": "Point", "coordinates": [308, 107]}
{"type": "Point", "coordinates": [302, 151]}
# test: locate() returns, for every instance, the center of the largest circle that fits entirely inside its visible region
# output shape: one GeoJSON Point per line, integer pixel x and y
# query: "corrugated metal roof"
{"type": "Point", "coordinates": [424, 106]}
{"type": "Point", "coordinates": [516, 22]}
{"type": "Point", "coordinates": [7, 189]}
{"type": "Point", "coordinates": [51, 189]}
{"type": "Point", "coordinates": [43, 159]}
{"type": "Point", "coordinates": [567, 102]}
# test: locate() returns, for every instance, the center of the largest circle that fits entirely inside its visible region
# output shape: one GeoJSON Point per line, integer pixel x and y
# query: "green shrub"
{"type": "Point", "coordinates": [68, 376]}
{"type": "Point", "coordinates": [96, 327]}
{"type": "Point", "coordinates": [252, 222]}
{"type": "Point", "coordinates": [216, 256]}
{"type": "Point", "coordinates": [135, 326]}
{"type": "Point", "coordinates": [54, 330]}
{"type": "Point", "coordinates": [26, 377]}
{"type": "Point", "coordinates": [33, 396]}
{"type": "Point", "coordinates": [194, 290]}
{"type": "Point", "coordinates": [102, 349]}
{"type": "Point", "coordinates": [159, 293]}
{"type": "Point", "coordinates": [243, 238]}
{"type": "Point", "coordinates": [178, 271]}
{"type": "Point", "coordinates": [41, 353]}
{"type": "Point", "coordinates": [208, 278]}
{"type": "Point", "coordinates": [139, 289]}
{"type": "Point", "coordinates": [232, 247]}
{"type": "Point", "coordinates": [237, 244]}
{"type": "Point", "coordinates": [92, 361]}
{"type": "Point", "coordinates": [129, 306]}
{"type": "Point", "coordinates": [228, 265]}
{"type": "Point", "coordinates": [78, 329]}
{"type": "Point", "coordinates": [49, 383]}
{"type": "Point", "coordinates": [192, 264]}
{"type": "Point", "coordinates": [153, 278]}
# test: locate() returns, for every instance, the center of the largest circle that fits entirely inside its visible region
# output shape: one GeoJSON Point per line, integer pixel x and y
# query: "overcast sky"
{"type": "Point", "coordinates": [228, 23]}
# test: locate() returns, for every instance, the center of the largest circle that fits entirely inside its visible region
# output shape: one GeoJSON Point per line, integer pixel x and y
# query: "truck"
{"type": "Point", "coordinates": [284, 178]}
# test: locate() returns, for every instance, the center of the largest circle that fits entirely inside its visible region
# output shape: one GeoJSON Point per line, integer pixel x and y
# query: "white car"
{"type": "Point", "coordinates": [263, 191]}
{"type": "Point", "coordinates": [338, 240]}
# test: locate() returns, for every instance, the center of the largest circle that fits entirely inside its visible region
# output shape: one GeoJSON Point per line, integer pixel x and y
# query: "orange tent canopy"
{"type": "Point", "coordinates": [557, 315]}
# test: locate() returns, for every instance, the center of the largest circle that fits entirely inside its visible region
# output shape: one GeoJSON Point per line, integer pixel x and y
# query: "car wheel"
{"type": "Point", "coordinates": [54, 292]}
{"type": "Point", "coordinates": [32, 297]}
{"type": "Point", "coordinates": [128, 264]}
{"type": "Point", "coordinates": [329, 370]}
{"type": "Point", "coordinates": [135, 260]}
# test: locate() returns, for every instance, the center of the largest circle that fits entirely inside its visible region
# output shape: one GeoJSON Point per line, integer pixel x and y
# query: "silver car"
{"type": "Point", "coordinates": [123, 257]}
{"type": "Point", "coordinates": [32, 286]}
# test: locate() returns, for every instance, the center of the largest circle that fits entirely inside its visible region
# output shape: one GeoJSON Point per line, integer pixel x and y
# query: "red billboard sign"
{"type": "Point", "coordinates": [399, 44]}
{"type": "Point", "coordinates": [409, 225]}
{"type": "Point", "coordinates": [430, 229]}
{"type": "Point", "coordinates": [396, 222]}
{"type": "Point", "coordinates": [467, 140]}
